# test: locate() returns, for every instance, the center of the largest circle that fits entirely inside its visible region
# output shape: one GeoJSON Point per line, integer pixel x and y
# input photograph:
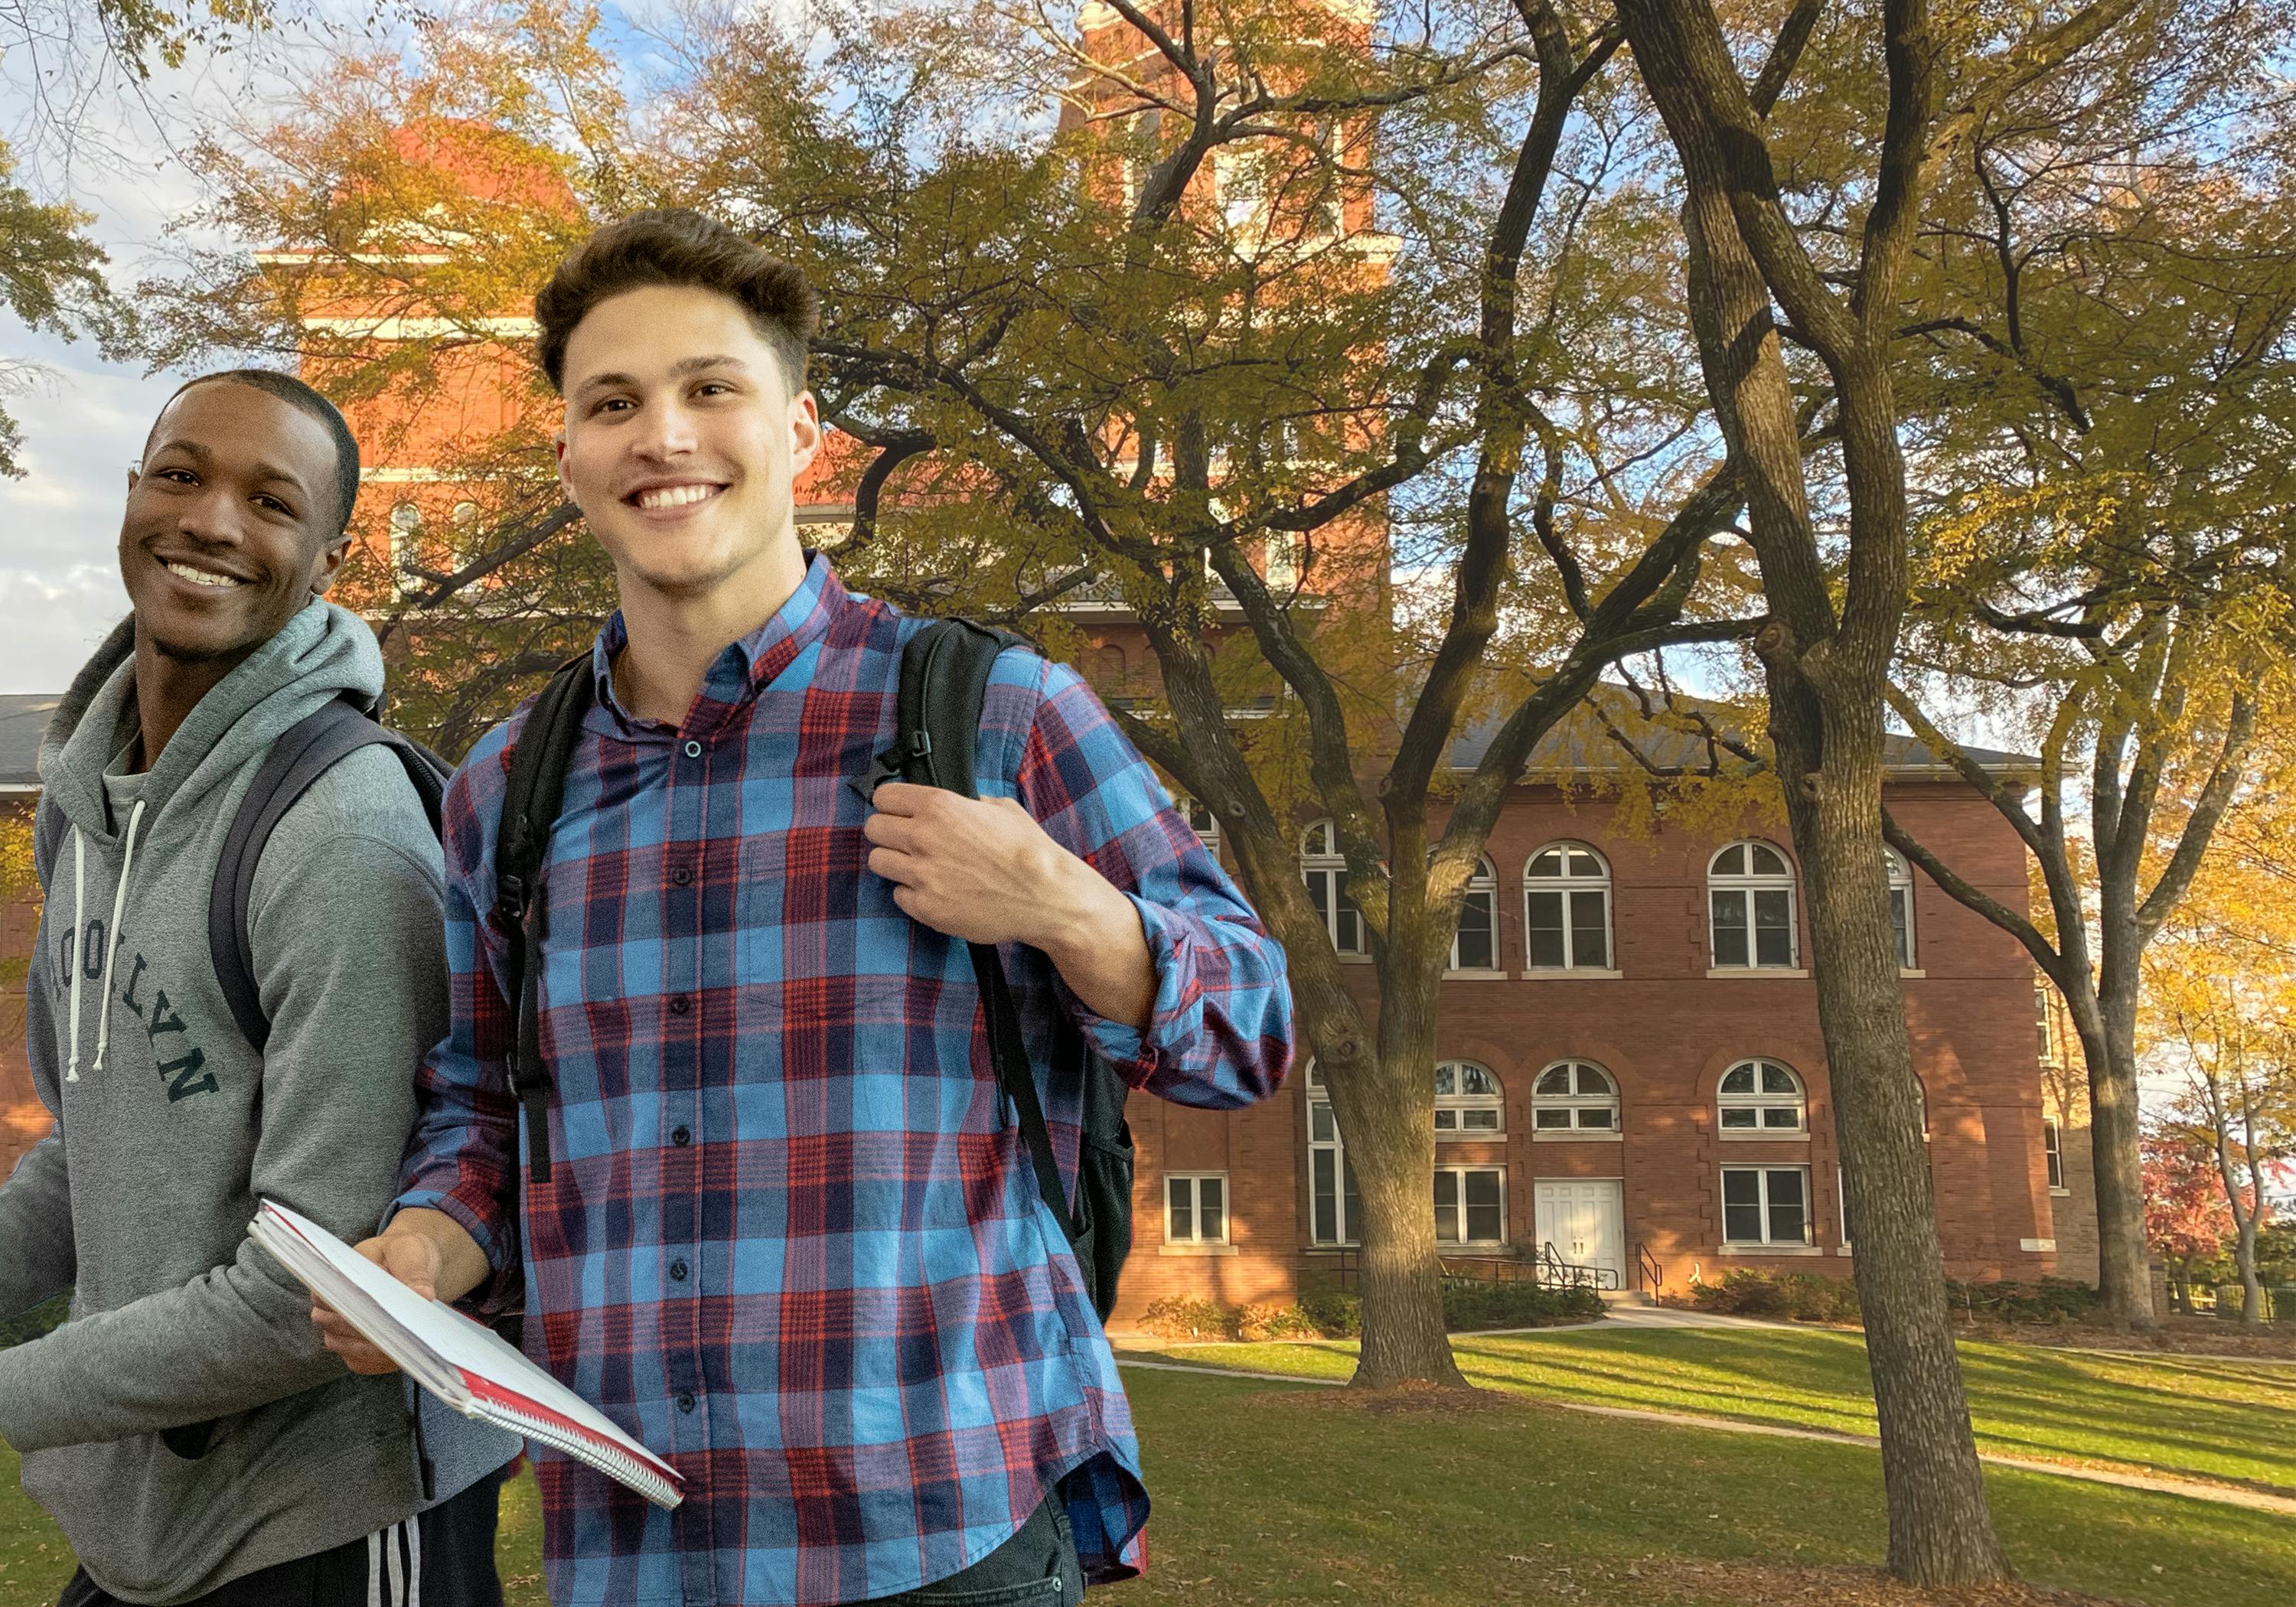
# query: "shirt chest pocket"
{"type": "Point", "coordinates": [823, 955]}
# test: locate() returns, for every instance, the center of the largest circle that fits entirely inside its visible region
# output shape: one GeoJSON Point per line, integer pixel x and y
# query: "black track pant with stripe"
{"type": "Point", "coordinates": [443, 1558]}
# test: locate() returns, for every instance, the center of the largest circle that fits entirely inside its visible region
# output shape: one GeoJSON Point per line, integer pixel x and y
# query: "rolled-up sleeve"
{"type": "Point", "coordinates": [1219, 1035]}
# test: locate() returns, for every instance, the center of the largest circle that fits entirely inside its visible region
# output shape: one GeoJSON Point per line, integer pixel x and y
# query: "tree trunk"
{"type": "Point", "coordinates": [1403, 1332]}
{"type": "Point", "coordinates": [2124, 1278]}
{"type": "Point", "coordinates": [1941, 1527]}
{"type": "Point", "coordinates": [1390, 1140]}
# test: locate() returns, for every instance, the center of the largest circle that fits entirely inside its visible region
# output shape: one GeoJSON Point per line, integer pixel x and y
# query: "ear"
{"type": "Point", "coordinates": [558, 450]}
{"type": "Point", "coordinates": [805, 432]}
{"type": "Point", "coordinates": [135, 473]}
{"type": "Point", "coordinates": [329, 561]}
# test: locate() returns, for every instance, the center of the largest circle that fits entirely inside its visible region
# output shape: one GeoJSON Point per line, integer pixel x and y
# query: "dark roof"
{"type": "Point", "coordinates": [1580, 743]}
{"type": "Point", "coordinates": [24, 717]}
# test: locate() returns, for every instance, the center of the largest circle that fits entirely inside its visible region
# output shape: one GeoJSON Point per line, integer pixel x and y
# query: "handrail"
{"type": "Point", "coordinates": [1648, 1274]}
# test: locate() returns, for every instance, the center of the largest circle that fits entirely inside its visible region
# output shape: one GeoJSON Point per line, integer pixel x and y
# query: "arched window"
{"type": "Point", "coordinates": [1475, 945]}
{"type": "Point", "coordinates": [1761, 1096]}
{"type": "Point", "coordinates": [1573, 1096]}
{"type": "Point", "coordinates": [1467, 1101]}
{"type": "Point", "coordinates": [1567, 908]}
{"type": "Point", "coordinates": [1901, 905]}
{"type": "Point", "coordinates": [1751, 893]}
{"type": "Point", "coordinates": [1326, 874]}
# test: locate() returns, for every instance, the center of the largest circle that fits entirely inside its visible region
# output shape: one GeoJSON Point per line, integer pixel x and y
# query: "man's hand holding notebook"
{"type": "Point", "coordinates": [464, 1364]}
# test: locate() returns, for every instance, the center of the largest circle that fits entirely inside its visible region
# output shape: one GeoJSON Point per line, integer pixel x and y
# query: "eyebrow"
{"type": "Point", "coordinates": [201, 453]}
{"type": "Point", "coordinates": [678, 370]}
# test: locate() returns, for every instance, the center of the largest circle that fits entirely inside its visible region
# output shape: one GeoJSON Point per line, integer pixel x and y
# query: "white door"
{"type": "Point", "coordinates": [1584, 1221]}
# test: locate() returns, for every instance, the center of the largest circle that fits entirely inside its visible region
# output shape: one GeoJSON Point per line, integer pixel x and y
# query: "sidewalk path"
{"type": "Point", "coordinates": [2159, 1484]}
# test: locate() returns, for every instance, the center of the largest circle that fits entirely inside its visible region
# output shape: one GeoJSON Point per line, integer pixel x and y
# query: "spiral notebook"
{"type": "Point", "coordinates": [464, 1364]}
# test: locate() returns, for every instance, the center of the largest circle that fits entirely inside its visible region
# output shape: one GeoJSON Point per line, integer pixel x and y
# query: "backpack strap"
{"type": "Point", "coordinates": [530, 802]}
{"type": "Point", "coordinates": [945, 670]}
{"type": "Point", "coordinates": [303, 752]}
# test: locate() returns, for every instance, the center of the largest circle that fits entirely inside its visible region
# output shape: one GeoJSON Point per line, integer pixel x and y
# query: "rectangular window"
{"type": "Point", "coordinates": [1548, 951]}
{"type": "Point", "coordinates": [1334, 1205]}
{"type": "Point", "coordinates": [1475, 949]}
{"type": "Point", "coordinates": [1195, 1209]}
{"type": "Point", "coordinates": [1589, 934]}
{"type": "Point", "coordinates": [1341, 919]}
{"type": "Point", "coordinates": [1730, 927]}
{"type": "Point", "coordinates": [2053, 1146]}
{"type": "Point", "coordinates": [1773, 927]}
{"type": "Point", "coordinates": [1902, 924]}
{"type": "Point", "coordinates": [1469, 1207]}
{"type": "Point", "coordinates": [1766, 1205]}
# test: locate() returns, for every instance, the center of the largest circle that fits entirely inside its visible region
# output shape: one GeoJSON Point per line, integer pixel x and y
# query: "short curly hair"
{"type": "Point", "coordinates": [676, 246]}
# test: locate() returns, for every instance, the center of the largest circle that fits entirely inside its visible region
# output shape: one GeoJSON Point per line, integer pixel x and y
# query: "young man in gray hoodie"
{"type": "Point", "coordinates": [186, 1428]}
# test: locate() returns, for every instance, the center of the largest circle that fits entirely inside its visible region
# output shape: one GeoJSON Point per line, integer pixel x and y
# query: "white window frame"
{"type": "Point", "coordinates": [1901, 909]}
{"type": "Point", "coordinates": [1568, 886]}
{"type": "Point", "coordinates": [1749, 884]}
{"type": "Point", "coordinates": [1484, 884]}
{"type": "Point", "coordinates": [1459, 1176]}
{"type": "Point", "coordinates": [1201, 820]}
{"type": "Point", "coordinates": [1282, 554]}
{"type": "Point", "coordinates": [1762, 1101]}
{"type": "Point", "coordinates": [1762, 1198]}
{"type": "Point", "coordinates": [405, 534]}
{"type": "Point", "coordinates": [1575, 1104]}
{"type": "Point", "coordinates": [1194, 1182]}
{"type": "Point", "coordinates": [1458, 1105]}
{"type": "Point", "coordinates": [2052, 1155]}
{"type": "Point", "coordinates": [1319, 858]}
{"type": "Point", "coordinates": [1342, 1227]}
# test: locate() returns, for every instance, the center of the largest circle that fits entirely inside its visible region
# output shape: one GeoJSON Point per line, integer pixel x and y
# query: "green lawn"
{"type": "Point", "coordinates": [2223, 1421]}
{"type": "Point", "coordinates": [1270, 1496]}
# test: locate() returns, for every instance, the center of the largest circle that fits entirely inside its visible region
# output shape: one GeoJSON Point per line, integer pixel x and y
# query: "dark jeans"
{"type": "Point", "coordinates": [1038, 1567]}
{"type": "Point", "coordinates": [442, 1558]}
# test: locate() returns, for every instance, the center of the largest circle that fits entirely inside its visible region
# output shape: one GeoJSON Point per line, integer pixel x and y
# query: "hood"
{"type": "Point", "coordinates": [322, 652]}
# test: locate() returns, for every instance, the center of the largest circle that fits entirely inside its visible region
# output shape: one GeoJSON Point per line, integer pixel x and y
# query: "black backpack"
{"type": "Point", "coordinates": [304, 752]}
{"type": "Point", "coordinates": [945, 671]}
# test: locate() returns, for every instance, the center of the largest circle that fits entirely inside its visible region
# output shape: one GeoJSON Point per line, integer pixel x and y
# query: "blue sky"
{"type": "Point", "coordinates": [60, 587]}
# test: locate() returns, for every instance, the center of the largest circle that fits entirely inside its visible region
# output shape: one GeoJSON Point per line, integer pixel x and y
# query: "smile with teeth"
{"type": "Point", "coordinates": [200, 577]}
{"type": "Point", "coordinates": [673, 496]}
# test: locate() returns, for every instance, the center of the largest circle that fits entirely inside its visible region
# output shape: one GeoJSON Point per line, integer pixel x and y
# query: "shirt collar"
{"type": "Point", "coordinates": [749, 664]}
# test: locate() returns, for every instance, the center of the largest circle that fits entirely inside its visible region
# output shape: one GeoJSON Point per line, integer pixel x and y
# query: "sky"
{"type": "Point", "coordinates": [84, 425]}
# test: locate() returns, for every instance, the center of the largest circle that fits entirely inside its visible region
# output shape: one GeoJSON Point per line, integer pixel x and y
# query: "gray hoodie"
{"type": "Point", "coordinates": [170, 1127]}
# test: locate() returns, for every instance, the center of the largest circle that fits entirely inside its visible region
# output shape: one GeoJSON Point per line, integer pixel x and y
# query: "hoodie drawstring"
{"type": "Point", "coordinates": [71, 952]}
{"type": "Point", "coordinates": [111, 942]}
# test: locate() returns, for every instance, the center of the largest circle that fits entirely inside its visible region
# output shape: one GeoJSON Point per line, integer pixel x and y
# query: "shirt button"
{"type": "Point", "coordinates": [684, 1401]}
{"type": "Point", "coordinates": [682, 874]}
{"type": "Point", "coordinates": [677, 1272]}
{"type": "Point", "coordinates": [679, 1005]}
{"type": "Point", "coordinates": [680, 1137]}
{"type": "Point", "coordinates": [693, 750]}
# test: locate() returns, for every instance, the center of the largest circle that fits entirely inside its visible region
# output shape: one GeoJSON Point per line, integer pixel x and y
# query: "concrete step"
{"type": "Point", "coordinates": [1628, 1297]}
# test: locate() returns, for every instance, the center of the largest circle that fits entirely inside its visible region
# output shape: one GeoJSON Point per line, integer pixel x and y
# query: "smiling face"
{"type": "Point", "coordinates": [683, 443]}
{"type": "Point", "coordinates": [230, 527]}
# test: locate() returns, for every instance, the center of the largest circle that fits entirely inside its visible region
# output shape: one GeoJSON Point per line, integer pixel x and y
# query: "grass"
{"type": "Point", "coordinates": [2213, 1421]}
{"type": "Point", "coordinates": [1272, 1496]}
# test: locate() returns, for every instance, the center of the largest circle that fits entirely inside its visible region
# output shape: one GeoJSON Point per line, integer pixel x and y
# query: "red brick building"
{"type": "Point", "coordinates": [1630, 1069]}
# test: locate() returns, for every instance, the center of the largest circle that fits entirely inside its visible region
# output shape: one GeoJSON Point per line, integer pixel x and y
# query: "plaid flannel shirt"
{"type": "Point", "coordinates": [792, 1240]}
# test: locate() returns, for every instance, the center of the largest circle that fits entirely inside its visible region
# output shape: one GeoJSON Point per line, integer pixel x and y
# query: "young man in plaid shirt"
{"type": "Point", "coordinates": [792, 1238]}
